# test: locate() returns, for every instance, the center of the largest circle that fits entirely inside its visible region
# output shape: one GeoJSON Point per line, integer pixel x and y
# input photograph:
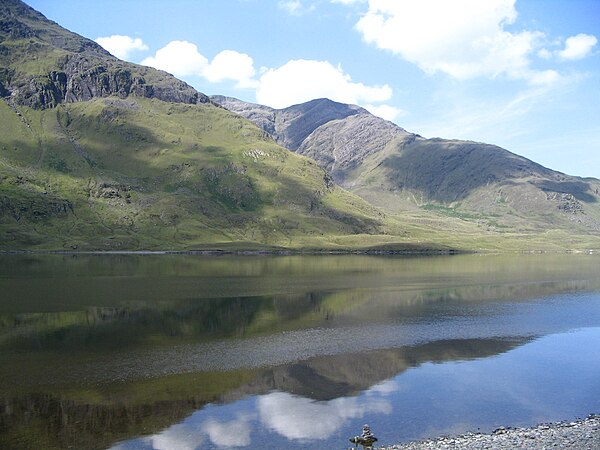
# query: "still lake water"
{"type": "Point", "coordinates": [273, 352]}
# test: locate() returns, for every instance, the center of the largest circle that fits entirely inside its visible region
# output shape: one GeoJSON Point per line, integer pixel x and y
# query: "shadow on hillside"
{"type": "Point", "coordinates": [449, 171]}
{"type": "Point", "coordinates": [579, 189]}
{"type": "Point", "coordinates": [160, 177]}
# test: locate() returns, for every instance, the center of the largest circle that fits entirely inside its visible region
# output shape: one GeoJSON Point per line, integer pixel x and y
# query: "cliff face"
{"type": "Point", "coordinates": [43, 65]}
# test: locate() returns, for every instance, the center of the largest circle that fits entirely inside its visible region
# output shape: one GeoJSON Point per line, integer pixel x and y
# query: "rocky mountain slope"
{"type": "Point", "coordinates": [97, 153]}
{"type": "Point", "coordinates": [398, 170]}
{"type": "Point", "coordinates": [43, 65]}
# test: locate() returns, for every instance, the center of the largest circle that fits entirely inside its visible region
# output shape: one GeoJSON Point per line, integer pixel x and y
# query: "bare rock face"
{"type": "Point", "coordinates": [290, 126]}
{"type": "Point", "coordinates": [337, 136]}
{"type": "Point", "coordinates": [44, 65]}
{"type": "Point", "coordinates": [295, 123]}
{"type": "Point", "coordinates": [340, 146]}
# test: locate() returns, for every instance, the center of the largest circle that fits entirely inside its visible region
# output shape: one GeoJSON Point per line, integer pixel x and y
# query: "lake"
{"type": "Point", "coordinates": [129, 351]}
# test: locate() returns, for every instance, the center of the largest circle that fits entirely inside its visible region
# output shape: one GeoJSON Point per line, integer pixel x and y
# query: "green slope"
{"type": "Point", "coordinates": [140, 173]}
{"type": "Point", "coordinates": [101, 154]}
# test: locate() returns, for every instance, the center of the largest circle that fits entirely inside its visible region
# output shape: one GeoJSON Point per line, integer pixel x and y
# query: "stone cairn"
{"type": "Point", "coordinates": [366, 439]}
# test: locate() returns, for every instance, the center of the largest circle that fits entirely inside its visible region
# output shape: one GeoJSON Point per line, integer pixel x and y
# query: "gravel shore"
{"type": "Point", "coordinates": [581, 434]}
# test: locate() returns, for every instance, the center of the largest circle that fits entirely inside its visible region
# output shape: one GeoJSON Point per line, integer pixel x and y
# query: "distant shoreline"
{"type": "Point", "coordinates": [217, 252]}
{"type": "Point", "coordinates": [284, 252]}
{"type": "Point", "coordinates": [579, 434]}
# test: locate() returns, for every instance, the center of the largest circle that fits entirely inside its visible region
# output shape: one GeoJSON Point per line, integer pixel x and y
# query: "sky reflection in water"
{"type": "Point", "coordinates": [188, 352]}
{"type": "Point", "coordinates": [550, 378]}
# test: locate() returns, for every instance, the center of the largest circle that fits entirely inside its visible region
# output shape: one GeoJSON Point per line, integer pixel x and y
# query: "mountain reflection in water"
{"type": "Point", "coordinates": [245, 351]}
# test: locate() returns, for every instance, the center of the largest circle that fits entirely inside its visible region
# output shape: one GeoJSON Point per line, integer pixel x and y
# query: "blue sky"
{"type": "Point", "coordinates": [522, 74]}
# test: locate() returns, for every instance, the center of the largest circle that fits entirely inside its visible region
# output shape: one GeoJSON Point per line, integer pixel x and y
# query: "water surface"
{"type": "Point", "coordinates": [188, 351]}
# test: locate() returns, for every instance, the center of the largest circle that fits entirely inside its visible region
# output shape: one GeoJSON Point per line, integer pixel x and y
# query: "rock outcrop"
{"type": "Point", "coordinates": [44, 65]}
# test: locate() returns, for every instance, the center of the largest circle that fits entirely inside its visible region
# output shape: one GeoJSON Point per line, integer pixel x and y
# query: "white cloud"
{"type": "Point", "coordinates": [462, 38]}
{"type": "Point", "coordinates": [578, 47]}
{"type": "Point", "coordinates": [385, 387]}
{"type": "Point", "coordinates": [121, 46]}
{"type": "Point", "coordinates": [386, 112]}
{"type": "Point", "coordinates": [297, 81]}
{"type": "Point", "coordinates": [302, 80]}
{"type": "Point", "coordinates": [295, 7]}
{"type": "Point", "coordinates": [348, 2]}
{"type": "Point", "coordinates": [544, 53]}
{"type": "Point", "coordinates": [231, 65]}
{"type": "Point", "coordinates": [543, 77]}
{"type": "Point", "coordinates": [182, 58]}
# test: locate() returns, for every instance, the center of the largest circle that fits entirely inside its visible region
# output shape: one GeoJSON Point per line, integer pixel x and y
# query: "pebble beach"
{"type": "Point", "coordinates": [581, 434]}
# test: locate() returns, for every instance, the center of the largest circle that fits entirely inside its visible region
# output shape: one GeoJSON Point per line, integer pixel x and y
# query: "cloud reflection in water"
{"type": "Point", "coordinates": [297, 417]}
{"type": "Point", "coordinates": [235, 433]}
{"type": "Point", "coordinates": [290, 416]}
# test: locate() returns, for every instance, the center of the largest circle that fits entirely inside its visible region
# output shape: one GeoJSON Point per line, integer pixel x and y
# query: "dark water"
{"type": "Point", "coordinates": [195, 352]}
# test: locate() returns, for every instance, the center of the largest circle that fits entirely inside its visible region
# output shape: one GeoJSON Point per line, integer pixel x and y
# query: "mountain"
{"type": "Point", "coordinates": [44, 65]}
{"type": "Point", "coordinates": [97, 153]}
{"type": "Point", "coordinates": [401, 171]}
{"type": "Point", "coordinates": [100, 154]}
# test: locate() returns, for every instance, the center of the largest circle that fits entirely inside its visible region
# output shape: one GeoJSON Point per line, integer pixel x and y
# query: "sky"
{"type": "Point", "coordinates": [521, 74]}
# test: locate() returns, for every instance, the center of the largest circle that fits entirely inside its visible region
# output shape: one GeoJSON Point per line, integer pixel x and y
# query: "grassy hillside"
{"type": "Point", "coordinates": [136, 173]}
{"type": "Point", "coordinates": [478, 181]}
{"type": "Point", "coordinates": [142, 173]}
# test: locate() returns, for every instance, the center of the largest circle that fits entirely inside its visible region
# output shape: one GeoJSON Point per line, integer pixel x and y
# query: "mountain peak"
{"type": "Point", "coordinates": [43, 65]}
{"type": "Point", "coordinates": [336, 135]}
{"type": "Point", "coordinates": [292, 125]}
{"type": "Point", "coordinates": [20, 21]}
{"type": "Point", "coordinates": [325, 103]}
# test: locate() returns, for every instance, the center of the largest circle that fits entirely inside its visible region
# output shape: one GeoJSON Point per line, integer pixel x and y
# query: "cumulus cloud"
{"type": "Point", "coordinates": [385, 387]}
{"type": "Point", "coordinates": [121, 46]}
{"type": "Point", "coordinates": [578, 47]}
{"type": "Point", "coordinates": [296, 81]}
{"type": "Point", "coordinates": [386, 112]}
{"type": "Point", "coordinates": [462, 38]}
{"type": "Point", "coordinates": [182, 58]}
{"type": "Point", "coordinates": [302, 80]}
{"type": "Point", "coordinates": [231, 65]}
{"type": "Point", "coordinates": [544, 53]}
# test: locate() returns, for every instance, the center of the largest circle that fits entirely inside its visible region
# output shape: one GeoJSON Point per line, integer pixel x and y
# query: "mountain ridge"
{"type": "Point", "coordinates": [44, 65]}
{"type": "Point", "coordinates": [398, 170]}
{"type": "Point", "coordinates": [101, 154]}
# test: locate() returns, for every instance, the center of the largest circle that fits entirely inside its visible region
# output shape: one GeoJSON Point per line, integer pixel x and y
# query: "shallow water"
{"type": "Point", "coordinates": [187, 351]}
